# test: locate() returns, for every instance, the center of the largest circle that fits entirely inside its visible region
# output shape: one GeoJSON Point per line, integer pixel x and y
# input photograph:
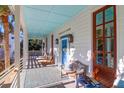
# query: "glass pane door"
{"type": "Point", "coordinates": [105, 37]}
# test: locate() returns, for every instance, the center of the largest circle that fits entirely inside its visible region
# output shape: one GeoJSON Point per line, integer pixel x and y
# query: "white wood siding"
{"type": "Point", "coordinates": [120, 33]}
{"type": "Point", "coordinates": [81, 28]}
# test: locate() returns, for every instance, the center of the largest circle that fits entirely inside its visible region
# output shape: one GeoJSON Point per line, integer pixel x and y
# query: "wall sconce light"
{"type": "Point", "coordinates": [71, 39]}
{"type": "Point", "coordinates": [57, 41]}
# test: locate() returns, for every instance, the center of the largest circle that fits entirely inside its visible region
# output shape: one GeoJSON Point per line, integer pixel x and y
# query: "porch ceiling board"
{"type": "Point", "coordinates": [42, 19]}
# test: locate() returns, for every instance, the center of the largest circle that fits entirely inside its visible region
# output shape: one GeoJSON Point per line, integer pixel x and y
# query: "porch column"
{"type": "Point", "coordinates": [46, 45]}
{"type": "Point", "coordinates": [52, 47]}
{"type": "Point", "coordinates": [25, 48]}
{"type": "Point", "coordinates": [41, 48]}
{"type": "Point", "coordinates": [17, 41]}
{"type": "Point", "coordinates": [6, 40]}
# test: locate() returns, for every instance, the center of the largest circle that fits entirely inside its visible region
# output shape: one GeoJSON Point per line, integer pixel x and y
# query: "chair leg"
{"type": "Point", "coordinates": [44, 65]}
{"type": "Point", "coordinates": [76, 81]}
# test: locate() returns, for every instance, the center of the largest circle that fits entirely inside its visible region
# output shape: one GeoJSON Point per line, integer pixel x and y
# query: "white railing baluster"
{"type": "Point", "coordinates": [6, 72]}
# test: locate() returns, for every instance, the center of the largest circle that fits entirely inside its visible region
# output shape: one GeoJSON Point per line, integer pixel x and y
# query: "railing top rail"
{"type": "Point", "coordinates": [3, 72]}
{"type": "Point", "coordinates": [11, 67]}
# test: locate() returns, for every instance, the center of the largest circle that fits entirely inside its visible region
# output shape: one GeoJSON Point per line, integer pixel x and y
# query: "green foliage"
{"type": "Point", "coordinates": [34, 44]}
{"type": "Point", "coordinates": [4, 9]}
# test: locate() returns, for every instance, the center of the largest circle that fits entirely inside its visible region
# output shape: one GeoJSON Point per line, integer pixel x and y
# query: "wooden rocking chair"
{"type": "Point", "coordinates": [47, 61]}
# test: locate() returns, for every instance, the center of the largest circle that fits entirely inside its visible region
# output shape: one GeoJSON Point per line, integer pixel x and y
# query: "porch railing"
{"type": "Point", "coordinates": [11, 74]}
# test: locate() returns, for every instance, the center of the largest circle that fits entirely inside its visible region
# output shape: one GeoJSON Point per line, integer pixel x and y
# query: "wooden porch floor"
{"type": "Point", "coordinates": [41, 76]}
{"type": "Point", "coordinates": [38, 76]}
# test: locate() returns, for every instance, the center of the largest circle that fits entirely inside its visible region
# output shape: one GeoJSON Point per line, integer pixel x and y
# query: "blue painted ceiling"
{"type": "Point", "coordinates": [42, 19]}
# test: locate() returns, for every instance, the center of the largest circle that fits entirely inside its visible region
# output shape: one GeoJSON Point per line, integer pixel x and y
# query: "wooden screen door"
{"type": "Point", "coordinates": [104, 45]}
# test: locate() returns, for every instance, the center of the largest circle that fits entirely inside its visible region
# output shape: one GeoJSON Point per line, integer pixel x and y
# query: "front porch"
{"type": "Point", "coordinates": [51, 36]}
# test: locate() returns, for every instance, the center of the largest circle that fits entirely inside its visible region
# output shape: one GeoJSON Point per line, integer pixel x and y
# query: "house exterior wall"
{"type": "Point", "coordinates": [120, 35]}
{"type": "Point", "coordinates": [82, 30]}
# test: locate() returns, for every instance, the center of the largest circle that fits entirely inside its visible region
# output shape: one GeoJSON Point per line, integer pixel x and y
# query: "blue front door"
{"type": "Point", "coordinates": [64, 51]}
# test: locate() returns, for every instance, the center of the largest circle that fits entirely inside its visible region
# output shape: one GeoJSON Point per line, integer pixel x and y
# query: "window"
{"type": "Point", "coordinates": [105, 37]}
